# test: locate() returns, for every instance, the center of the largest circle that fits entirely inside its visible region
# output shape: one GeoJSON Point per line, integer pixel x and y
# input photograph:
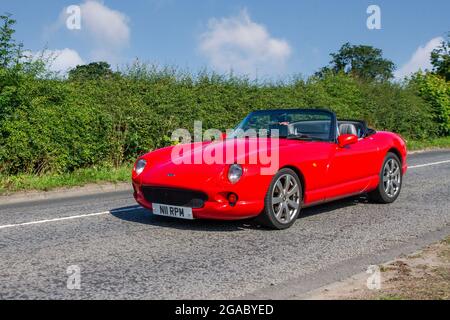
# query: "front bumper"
{"type": "Point", "coordinates": [216, 207]}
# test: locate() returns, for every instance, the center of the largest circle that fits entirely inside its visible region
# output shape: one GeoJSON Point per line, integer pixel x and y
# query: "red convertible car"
{"type": "Point", "coordinates": [298, 158]}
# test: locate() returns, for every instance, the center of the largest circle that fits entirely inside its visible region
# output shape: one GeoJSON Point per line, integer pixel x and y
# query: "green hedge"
{"type": "Point", "coordinates": [61, 125]}
{"type": "Point", "coordinates": [437, 91]}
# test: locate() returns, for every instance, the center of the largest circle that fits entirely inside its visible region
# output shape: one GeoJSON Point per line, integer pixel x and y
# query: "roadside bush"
{"type": "Point", "coordinates": [51, 125]}
{"type": "Point", "coordinates": [392, 107]}
{"type": "Point", "coordinates": [436, 91]}
{"type": "Point", "coordinates": [49, 130]}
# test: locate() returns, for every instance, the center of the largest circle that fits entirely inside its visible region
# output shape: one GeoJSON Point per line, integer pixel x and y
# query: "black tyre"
{"type": "Point", "coordinates": [391, 179]}
{"type": "Point", "coordinates": [283, 201]}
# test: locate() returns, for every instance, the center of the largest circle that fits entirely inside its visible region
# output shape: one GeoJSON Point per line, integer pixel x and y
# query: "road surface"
{"type": "Point", "coordinates": [123, 252]}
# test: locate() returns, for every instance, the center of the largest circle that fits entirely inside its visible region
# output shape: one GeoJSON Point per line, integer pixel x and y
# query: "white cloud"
{"type": "Point", "coordinates": [420, 60]}
{"type": "Point", "coordinates": [106, 30]}
{"type": "Point", "coordinates": [59, 60]}
{"type": "Point", "coordinates": [106, 26]}
{"type": "Point", "coordinates": [240, 44]}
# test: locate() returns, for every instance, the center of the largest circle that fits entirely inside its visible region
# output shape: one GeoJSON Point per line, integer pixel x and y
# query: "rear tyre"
{"type": "Point", "coordinates": [283, 201]}
{"type": "Point", "coordinates": [391, 179]}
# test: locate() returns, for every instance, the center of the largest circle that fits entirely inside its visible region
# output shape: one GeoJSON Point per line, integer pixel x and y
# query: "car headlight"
{"type": "Point", "coordinates": [234, 173]}
{"type": "Point", "coordinates": [140, 166]}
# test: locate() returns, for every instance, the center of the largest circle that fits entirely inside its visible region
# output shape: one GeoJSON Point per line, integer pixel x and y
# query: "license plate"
{"type": "Point", "coordinates": [172, 211]}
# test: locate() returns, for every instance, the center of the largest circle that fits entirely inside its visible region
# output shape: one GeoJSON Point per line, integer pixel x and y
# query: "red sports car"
{"type": "Point", "coordinates": [274, 163]}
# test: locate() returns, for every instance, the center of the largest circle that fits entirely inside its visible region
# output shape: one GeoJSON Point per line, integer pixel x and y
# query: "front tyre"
{"type": "Point", "coordinates": [391, 180]}
{"type": "Point", "coordinates": [283, 200]}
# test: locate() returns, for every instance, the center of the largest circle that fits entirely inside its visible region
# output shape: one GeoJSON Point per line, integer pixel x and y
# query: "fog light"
{"type": "Point", "coordinates": [232, 199]}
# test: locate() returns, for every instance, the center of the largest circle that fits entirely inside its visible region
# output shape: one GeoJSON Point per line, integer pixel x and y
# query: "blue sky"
{"type": "Point", "coordinates": [261, 38]}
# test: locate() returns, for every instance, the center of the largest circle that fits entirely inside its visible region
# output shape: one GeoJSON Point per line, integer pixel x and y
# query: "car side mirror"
{"type": "Point", "coordinates": [346, 140]}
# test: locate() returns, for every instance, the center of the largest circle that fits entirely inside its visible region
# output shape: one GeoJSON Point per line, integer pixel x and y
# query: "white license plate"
{"type": "Point", "coordinates": [172, 211]}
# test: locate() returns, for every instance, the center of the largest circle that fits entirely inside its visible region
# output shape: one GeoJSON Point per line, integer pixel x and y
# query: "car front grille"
{"type": "Point", "coordinates": [175, 197]}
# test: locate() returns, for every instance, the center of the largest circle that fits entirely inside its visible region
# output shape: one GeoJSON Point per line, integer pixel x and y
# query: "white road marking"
{"type": "Point", "coordinates": [429, 164]}
{"type": "Point", "coordinates": [131, 209]}
{"type": "Point", "coordinates": [64, 218]}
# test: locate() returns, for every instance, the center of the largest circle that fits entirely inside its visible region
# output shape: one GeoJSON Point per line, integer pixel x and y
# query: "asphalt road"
{"type": "Point", "coordinates": [124, 252]}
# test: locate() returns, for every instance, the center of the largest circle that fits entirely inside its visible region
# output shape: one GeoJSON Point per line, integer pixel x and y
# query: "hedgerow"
{"type": "Point", "coordinates": [59, 125]}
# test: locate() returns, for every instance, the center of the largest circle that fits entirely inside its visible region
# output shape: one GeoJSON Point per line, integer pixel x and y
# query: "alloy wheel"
{"type": "Point", "coordinates": [286, 198]}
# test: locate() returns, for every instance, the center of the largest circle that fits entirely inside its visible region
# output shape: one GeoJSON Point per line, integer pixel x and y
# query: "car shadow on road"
{"type": "Point", "coordinates": [334, 205]}
{"type": "Point", "coordinates": [137, 214]}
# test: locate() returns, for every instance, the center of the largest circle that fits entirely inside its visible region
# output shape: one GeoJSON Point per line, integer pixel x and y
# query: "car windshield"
{"type": "Point", "coordinates": [287, 124]}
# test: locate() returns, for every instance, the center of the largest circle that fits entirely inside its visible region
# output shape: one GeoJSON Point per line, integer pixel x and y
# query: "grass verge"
{"type": "Point", "coordinates": [424, 275]}
{"type": "Point", "coordinates": [81, 177]}
{"type": "Point", "coordinates": [414, 145]}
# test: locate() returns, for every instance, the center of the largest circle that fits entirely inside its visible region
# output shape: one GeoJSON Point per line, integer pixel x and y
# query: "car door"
{"type": "Point", "coordinates": [312, 159]}
{"type": "Point", "coordinates": [352, 168]}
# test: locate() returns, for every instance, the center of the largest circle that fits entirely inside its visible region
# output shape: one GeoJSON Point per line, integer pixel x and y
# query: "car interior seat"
{"type": "Point", "coordinates": [348, 128]}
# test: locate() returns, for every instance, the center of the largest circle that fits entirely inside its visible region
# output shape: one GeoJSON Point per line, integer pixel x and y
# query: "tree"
{"type": "Point", "coordinates": [365, 62]}
{"type": "Point", "coordinates": [10, 51]}
{"type": "Point", "coordinates": [92, 71]}
{"type": "Point", "coordinates": [440, 59]}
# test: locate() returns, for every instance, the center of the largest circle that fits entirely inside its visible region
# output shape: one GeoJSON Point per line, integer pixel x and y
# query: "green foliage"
{"type": "Point", "coordinates": [440, 59]}
{"type": "Point", "coordinates": [48, 130]}
{"type": "Point", "coordinates": [364, 62]}
{"type": "Point", "coordinates": [91, 71]}
{"type": "Point", "coordinates": [61, 125]}
{"type": "Point", "coordinates": [391, 107]}
{"type": "Point", "coordinates": [436, 143]}
{"type": "Point", "coordinates": [79, 177]}
{"type": "Point", "coordinates": [10, 51]}
{"type": "Point", "coordinates": [436, 91]}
